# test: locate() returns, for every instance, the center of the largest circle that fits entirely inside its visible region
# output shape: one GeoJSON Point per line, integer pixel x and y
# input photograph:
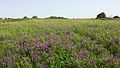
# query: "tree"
{"type": "Point", "coordinates": [34, 17]}
{"type": "Point", "coordinates": [25, 17]}
{"type": "Point", "coordinates": [101, 15]}
{"type": "Point", "coordinates": [116, 17]}
{"type": "Point", "coordinates": [55, 17]}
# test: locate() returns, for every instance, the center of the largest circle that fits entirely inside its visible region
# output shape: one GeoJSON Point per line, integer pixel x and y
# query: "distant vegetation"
{"type": "Point", "coordinates": [116, 17]}
{"type": "Point", "coordinates": [55, 17]}
{"type": "Point", "coordinates": [25, 17]}
{"type": "Point", "coordinates": [102, 15]}
{"type": "Point", "coordinates": [34, 17]}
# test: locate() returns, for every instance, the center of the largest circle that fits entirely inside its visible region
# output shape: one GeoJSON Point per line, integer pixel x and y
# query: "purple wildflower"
{"type": "Point", "coordinates": [7, 60]}
{"type": "Point", "coordinates": [47, 35]}
{"type": "Point", "coordinates": [81, 44]}
{"type": "Point", "coordinates": [38, 44]}
{"type": "Point", "coordinates": [37, 36]}
{"type": "Point", "coordinates": [83, 53]}
{"type": "Point", "coordinates": [25, 49]}
{"type": "Point", "coordinates": [53, 41]}
{"type": "Point", "coordinates": [46, 44]}
{"type": "Point", "coordinates": [29, 49]}
{"type": "Point", "coordinates": [25, 44]}
{"type": "Point", "coordinates": [65, 37]}
{"type": "Point", "coordinates": [35, 56]}
{"type": "Point", "coordinates": [70, 46]}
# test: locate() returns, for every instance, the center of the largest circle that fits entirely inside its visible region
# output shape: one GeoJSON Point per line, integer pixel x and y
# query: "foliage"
{"type": "Point", "coordinates": [54, 17]}
{"type": "Point", "coordinates": [25, 17]}
{"type": "Point", "coordinates": [101, 15]}
{"type": "Point", "coordinates": [116, 17]}
{"type": "Point", "coordinates": [34, 17]}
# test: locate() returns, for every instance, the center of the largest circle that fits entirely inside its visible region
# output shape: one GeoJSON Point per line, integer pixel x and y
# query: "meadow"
{"type": "Point", "coordinates": [60, 43]}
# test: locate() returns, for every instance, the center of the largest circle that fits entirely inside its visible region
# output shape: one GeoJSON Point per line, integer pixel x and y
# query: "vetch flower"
{"type": "Point", "coordinates": [25, 49]}
{"type": "Point", "coordinates": [47, 35]}
{"type": "Point", "coordinates": [37, 36]}
{"type": "Point", "coordinates": [46, 44]}
{"type": "Point", "coordinates": [69, 46]}
{"type": "Point", "coordinates": [53, 41]}
{"type": "Point", "coordinates": [7, 60]}
{"type": "Point", "coordinates": [25, 44]}
{"type": "Point", "coordinates": [65, 37]}
{"type": "Point", "coordinates": [82, 44]}
{"type": "Point", "coordinates": [35, 56]}
{"type": "Point", "coordinates": [83, 54]}
{"type": "Point", "coordinates": [38, 44]}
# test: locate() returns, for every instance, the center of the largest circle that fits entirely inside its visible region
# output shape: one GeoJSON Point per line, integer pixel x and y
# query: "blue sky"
{"type": "Point", "coordinates": [66, 8]}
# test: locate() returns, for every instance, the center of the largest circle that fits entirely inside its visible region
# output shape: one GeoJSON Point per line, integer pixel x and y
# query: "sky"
{"type": "Point", "coordinates": [65, 8]}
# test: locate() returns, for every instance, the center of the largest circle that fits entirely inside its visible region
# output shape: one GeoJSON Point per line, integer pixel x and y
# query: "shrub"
{"type": "Point", "coordinates": [25, 17]}
{"type": "Point", "coordinates": [101, 15]}
{"type": "Point", "coordinates": [34, 17]}
{"type": "Point", "coordinates": [54, 17]}
{"type": "Point", "coordinates": [116, 17]}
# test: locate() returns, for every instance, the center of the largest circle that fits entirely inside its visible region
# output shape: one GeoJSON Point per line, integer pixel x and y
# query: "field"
{"type": "Point", "coordinates": [60, 43]}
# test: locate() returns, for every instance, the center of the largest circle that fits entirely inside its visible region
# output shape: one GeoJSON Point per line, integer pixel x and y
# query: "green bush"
{"type": "Point", "coordinates": [101, 15]}
{"type": "Point", "coordinates": [116, 17]}
{"type": "Point", "coordinates": [34, 17]}
{"type": "Point", "coordinates": [54, 17]}
{"type": "Point", "coordinates": [25, 17]}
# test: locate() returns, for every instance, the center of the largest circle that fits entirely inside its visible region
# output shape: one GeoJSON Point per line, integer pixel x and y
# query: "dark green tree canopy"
{"type": "Point", "coordinates": [55, 17]}
{"type": "Point", "coordinates": [25, 17]}
{"type": "Point", "coordinates": [34, 17]}
{"type": "Point", "coordinates": [101, 15]}
{"type": "Point", "coordinates": [116, 17]}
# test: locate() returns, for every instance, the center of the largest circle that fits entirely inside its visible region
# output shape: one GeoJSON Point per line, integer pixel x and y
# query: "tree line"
{"type": "Point", "coordinates": [35, 17]}
{"type": "Point", "coordinates": [102, 15]}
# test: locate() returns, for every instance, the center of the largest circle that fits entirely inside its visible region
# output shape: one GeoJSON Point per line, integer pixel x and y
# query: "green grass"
{"type": "Point", "coordinates": [101, 39]}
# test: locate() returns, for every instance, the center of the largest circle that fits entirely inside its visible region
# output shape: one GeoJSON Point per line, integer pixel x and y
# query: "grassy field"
{"type": "Point", "coordinates": [60, 43]}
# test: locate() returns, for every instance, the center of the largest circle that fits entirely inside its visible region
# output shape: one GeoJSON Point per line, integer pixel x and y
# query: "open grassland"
{"type": "Point", "coordinates": [60, 43]}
